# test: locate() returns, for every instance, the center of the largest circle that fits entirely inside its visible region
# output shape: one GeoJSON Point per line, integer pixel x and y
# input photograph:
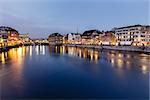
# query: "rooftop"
{"type": "Point", "coordinates": [90, 32]}
{"type": "Point", "coordinates": [55, 34]}
{"type": "Point", "coordinates": [138, 25]}
{"type": "Point", "coordinates": [5, 28]}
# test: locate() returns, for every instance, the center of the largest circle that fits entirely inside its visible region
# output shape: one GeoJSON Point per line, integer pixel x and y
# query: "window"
{"type": "Point", "coordinates": [142, 35]}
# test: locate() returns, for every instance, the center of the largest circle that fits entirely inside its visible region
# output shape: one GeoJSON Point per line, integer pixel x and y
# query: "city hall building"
{"type": "Point", "coordinates": [137, 35]}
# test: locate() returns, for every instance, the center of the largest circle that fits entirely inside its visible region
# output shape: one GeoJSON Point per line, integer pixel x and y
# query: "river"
{"type": "Point", "coordinates": [32, 72]}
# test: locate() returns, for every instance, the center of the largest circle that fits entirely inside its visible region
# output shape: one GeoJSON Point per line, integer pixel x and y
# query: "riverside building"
{"type": "Point", "coordinates": [55, 39]}
{"type": "Point", "coordinates": [91, 37]}
{"type": "Point", "coordinates": [137, 35]}
{"type": "Point", "coordinates": [24, 37]}
{"type": "Point", "coordinates": [8, 36]}
{"type": "Point", "coordinates": [74, 38]}
{"type": "Point", "coordinates": [107, 38]}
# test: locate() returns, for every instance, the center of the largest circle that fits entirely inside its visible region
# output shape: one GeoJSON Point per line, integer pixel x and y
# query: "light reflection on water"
{"type": "Point", "coordinates": [128, 60]}
{"type": "Point", "coordinates": [117, 59]}
{"type": "Point", "coordinates": [16, 65]}
{"type": "Point", "coordinates": [92, 55]}
{"type": "Point", "coordinates": [40, 50]}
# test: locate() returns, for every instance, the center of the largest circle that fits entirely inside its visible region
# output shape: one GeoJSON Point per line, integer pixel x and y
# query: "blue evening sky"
{"type": "Point", "coordinates": [43, 17]}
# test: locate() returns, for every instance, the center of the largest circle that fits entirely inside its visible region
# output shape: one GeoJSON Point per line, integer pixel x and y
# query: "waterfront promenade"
{"type": "Point", "coordinates": [120, 48]}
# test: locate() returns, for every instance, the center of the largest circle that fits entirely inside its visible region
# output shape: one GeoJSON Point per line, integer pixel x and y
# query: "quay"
{"type": "Point", "coordinates": [141, 49]}
{"type": "Point", "coordinates": [6, 48]}
{"type": "Point", "coordinates": [118, 48]}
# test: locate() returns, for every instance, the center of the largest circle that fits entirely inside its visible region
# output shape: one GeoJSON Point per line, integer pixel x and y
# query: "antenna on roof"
{"type": "Point", "coordinates": [77, 29]}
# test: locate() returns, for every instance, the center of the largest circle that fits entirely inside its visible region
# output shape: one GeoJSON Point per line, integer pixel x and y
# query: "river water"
{"type": "Point", "coordinates": [33, 72]}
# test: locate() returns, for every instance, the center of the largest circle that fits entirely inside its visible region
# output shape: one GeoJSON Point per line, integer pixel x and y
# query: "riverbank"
{"type": "Point", "coordinates": [6, 48]}
{"type": "Point", "coordinates": [119, 48]}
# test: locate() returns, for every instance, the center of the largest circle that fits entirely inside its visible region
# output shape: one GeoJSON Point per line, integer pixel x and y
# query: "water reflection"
{"type": "Point", "coordinates": [12, 54]}
{"type": "Point", "coordinates": [92, 55]}
{"type": "Point", "coordinates": [117, 59]}
{"type": "Point", "coordinates": [30, 51]}
{"type": "Point", "coordinates": [40, 50]}
{"type": "Point", "coordinates": [4, 56]}
{"type": "Point", "coordinates": [95, 72]}
{"type": "Point", "coordinates": [13, 63]}
{"type": "Point", "coordinates": [129, 60]}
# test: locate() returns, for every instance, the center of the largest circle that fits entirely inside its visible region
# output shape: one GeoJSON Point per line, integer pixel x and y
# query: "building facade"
{"type": "Point", "coordinates": [107, 38]}
{"type": "Point", "coordinates": [8, 35]}
{"type": "Point", "coordinates": [74, 38]}
{"type": "Point", "coordinates": [91, 37]}
{"type": "Point", "coordinates": [137, 35]}
{"type": "Point", "coordinates": [65, 39]}
{"type": "Point", "coordinates": [40, 41]}
{"type": "Point", "coordinates": [24, 37]}
{"type": "Point", "coordinates": [55, 39]}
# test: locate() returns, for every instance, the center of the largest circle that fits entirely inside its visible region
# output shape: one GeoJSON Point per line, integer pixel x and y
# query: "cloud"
{"type": "Point", "coordinates": [24, 25]}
